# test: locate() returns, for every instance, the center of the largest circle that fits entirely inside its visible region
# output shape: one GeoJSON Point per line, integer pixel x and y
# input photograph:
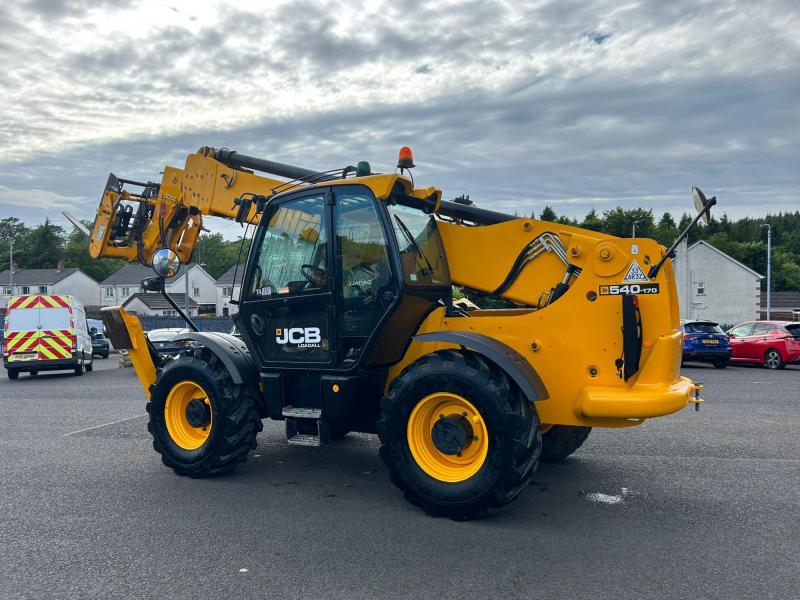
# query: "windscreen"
{"type": "Point", "coordinates": [54, 318]}
{"type": "Point", "coordinates": [23, 319]}
{"type": "Point", "coordinates": [702, 328]}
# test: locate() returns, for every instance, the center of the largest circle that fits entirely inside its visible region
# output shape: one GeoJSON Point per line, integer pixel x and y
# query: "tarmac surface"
{"type": "Point", "coordinates": [694, 505]}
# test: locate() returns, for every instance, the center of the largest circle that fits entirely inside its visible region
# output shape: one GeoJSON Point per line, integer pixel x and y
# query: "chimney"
{"type": "Point", "coordinates": [61, 265]}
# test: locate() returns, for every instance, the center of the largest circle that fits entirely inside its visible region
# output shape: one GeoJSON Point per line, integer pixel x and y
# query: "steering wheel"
{"type": "Point", "coordinates": [315, 270]}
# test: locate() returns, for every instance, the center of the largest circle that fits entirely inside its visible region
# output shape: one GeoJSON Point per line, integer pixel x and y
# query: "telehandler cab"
{"type": "Point", "coordinates": [347, 323]}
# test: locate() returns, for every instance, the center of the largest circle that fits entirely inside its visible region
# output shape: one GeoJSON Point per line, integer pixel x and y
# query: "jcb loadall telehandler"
{"type": "Point", "coordinates": [347, 323]}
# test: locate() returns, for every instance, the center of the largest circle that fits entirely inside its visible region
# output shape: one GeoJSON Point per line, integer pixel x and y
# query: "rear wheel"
{"type": "Point", "coordinates": [720, 364]}
{"type": "Point", "coordinates": [34, 372]}
{"type": "Point", "coordinates": [457, 437]}
{"type": "Point", "coordinates": [559, 441]}
{"type": "Point", "coordinates": [79, 369]}
{"type": "Point", "coordinates": [90, 366]}
{"type": "Point", "coordinates": [13, 374]}
{"type": "Point", "coordinates": [201, 422]}
{"type": "Point", "coordinates": [773, 360]}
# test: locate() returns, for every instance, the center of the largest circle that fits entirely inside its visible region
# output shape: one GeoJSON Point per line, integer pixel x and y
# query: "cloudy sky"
{"type": "Point", "coordinates": [577, 105]}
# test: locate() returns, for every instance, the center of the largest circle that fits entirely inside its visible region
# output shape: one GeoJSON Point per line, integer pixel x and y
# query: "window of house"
{"type": "Point", "coordinates": [42, 289]}
{"type": "Point", "coordinates": [109, 292]}
{"type": "Point", "coordinates": [701, 288]}
{"type": "Point", "coordinates": [165, 313]}
{"type": "Point", "coordinates": [126, 291]}
{"type": "Point", "coordinates": [25, 289]}
{"type": "Point", "coordinates": [225, 311]}
{"type": "Point", "coordinates": [227, 291]}
{"type": "Point", "coordinates": [195, 291]}
{"type": "Point", "coordinates": [7, 290]}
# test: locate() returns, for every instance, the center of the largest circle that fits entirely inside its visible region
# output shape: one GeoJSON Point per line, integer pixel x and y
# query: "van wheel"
{"type": "Point", "coordinates": [90, 366]}
{"type": "Point", "coordinates": [34, 372]}
{"type": "Point", "coordinates": [78, 369]}
{"type": "Point", "coordinates": [13, 374]}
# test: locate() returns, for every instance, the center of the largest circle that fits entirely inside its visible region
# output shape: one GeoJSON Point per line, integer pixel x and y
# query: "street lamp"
{"type": "Point", "coordinates": [769, 270]}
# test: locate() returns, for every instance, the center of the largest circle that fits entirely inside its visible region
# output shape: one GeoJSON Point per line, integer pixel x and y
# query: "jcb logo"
{"type": "Point", "coordinates": [304, 337]}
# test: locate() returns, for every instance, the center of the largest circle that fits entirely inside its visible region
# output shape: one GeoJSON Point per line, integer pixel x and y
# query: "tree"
{"type": "Point", "coordinates": [548, 214]}
{"type": "Point", "coordinates": [44, 246]}
{"type": "Point", "coordinates": [12, 229]}
{"type": "Point", "coordinates": [592, 221]}
{"type": "Point", "coordinates": [666, 230]}
{"type": "Point", "coordinates": [76, 254]}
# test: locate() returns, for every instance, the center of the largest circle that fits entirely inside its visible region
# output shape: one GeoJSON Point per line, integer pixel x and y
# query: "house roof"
{"type": "Point", "coordinates": [36, 276]}
{"type": "Point", "coordinates": [227, 276]}
{"type": "Point", "coordinates": [156, 301]}
{"type": "Point", "coordinates": [781, 300]}
{"type": "Point", "coordinates": [728, 256]}
{"type": "Point", "coordinates": [132, 274]}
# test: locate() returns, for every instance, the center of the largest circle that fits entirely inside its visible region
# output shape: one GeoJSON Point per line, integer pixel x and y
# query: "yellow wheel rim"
{"type": "Point", "coordinates": [449, 467]}
{"type": "Point", "coordinates": [180, 429]}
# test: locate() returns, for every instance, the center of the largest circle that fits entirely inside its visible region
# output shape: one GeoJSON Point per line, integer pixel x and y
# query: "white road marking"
{"type": "Point", "coordinates": [105, 424]}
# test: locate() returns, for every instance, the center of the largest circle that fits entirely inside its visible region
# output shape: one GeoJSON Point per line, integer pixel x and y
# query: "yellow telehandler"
{"type": "Point", "coordinates": [346, 322]}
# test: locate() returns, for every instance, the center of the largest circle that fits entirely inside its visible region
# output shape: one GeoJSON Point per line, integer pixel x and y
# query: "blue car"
{"type": "Point", "coordinates": [704, 341]}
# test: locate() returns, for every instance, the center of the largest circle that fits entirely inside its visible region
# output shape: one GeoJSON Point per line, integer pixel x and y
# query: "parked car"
{"type": "Point", "coordinates": [773, 344]}
{"type": "Point", "coordinates": [45, 333]}
{"type": "Point", "coordinates": [100, 345]}
{"type": "Point", "coordinates": [704, 341]}
{"type": "Point", "coordinates": [163, 339]}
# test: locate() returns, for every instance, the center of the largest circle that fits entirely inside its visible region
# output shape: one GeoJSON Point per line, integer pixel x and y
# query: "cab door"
{"type": "Point", "coordinates": [287, 308]}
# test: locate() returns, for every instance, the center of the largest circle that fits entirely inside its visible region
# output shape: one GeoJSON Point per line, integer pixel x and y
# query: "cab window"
{"type": "Point", "coordinates": [292, 250]}
{"type": "Point", "coordinates": [421, 250]}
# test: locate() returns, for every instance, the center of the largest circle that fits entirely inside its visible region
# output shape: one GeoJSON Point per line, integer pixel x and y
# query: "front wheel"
{"type": "Point", "coordinates": [720, 364]}
{"type": "Point", "coordinates": [201, 422]}
{"type": "Point", "coordinates": [459, 439]}
{"type": "Point", "coordinates": [13, 374]}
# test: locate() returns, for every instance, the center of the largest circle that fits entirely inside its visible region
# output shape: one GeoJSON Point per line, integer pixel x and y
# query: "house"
{"type": "Point", "coordinates": [227, 290]}
{"type": "Point", "coordinates": [716, 287]}
{"type": "Point", "coordinates": [126, 282]}
{"type": "Point", "coordinates": [72, 282]}
{"type": "Point", "coordinates": [784, 306]}
{"type": "Point", "coordinates": [153, 304]}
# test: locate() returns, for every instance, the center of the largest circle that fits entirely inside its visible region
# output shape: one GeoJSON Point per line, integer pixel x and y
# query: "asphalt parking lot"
{"type": "Point", "coordinates": [694, 505]}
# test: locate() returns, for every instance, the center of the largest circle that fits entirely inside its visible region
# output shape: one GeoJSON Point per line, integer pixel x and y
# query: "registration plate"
{"type": "Point", "coordinates": [25, 355]}
{"type": "Point", "coordinates": [710, 341]}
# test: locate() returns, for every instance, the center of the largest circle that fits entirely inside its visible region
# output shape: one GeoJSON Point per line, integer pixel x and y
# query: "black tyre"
{"type": "Point", "coordinates": [459, 439]}
{"type": "Point", "coordinates": [721, 364]}
{"type": "Point", "coordinates": [13, 374]}
{"type": "Point", "coordinates": [773, 360]}
{"type": "Point", "coordinates": [560, 441]}
{"type": "Point", "coordinates": [34, 372]}
{"type": "Point", "coordinates": [90, 366]}
{"type": "Point", "coordinates": [202, 424]}
{"type": "Point", "coordinates": [79, 369]}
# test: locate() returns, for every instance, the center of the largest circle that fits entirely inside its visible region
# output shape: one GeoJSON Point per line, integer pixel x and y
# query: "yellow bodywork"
{"type": "Point", "coordinates": [573, 344]}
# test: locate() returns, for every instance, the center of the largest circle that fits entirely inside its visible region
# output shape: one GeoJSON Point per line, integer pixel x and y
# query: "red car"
{"type": "Point", "coordinates": [773, 344]}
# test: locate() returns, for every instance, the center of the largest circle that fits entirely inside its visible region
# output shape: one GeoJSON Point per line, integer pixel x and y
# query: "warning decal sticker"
{"type": "Point", "coordinates": [635, 273]}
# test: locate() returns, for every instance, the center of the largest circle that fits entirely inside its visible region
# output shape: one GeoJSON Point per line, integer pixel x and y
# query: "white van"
{"type": "Point", "coordinates": [45, 333]}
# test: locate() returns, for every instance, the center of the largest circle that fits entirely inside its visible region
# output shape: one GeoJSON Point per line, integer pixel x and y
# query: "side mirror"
{"type": "Point", "coordinates": [166, 263]}
{"type": "Point", "coordinates": [701, 202]}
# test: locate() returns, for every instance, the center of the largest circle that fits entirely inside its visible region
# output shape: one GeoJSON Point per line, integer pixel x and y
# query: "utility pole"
{"type": "Point", "coordinates": [634, 229]}
{"type": "Point", "coordinates": [11, 264]}
{"type": "Point", "coordinates": [769, 270]}
{"type": "Point", "coordinates": [186, 295]}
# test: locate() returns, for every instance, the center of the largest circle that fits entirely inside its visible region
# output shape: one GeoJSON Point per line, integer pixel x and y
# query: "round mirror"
{"type": "Point", "coordinates": [166, 263]}
{"type": "Point", "coordinates": [700, 202]}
